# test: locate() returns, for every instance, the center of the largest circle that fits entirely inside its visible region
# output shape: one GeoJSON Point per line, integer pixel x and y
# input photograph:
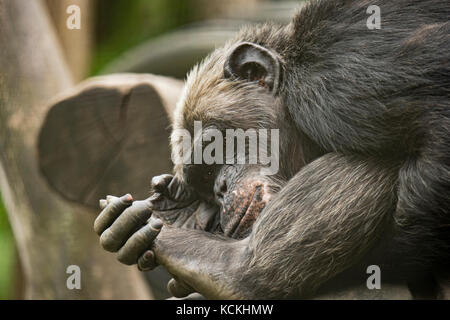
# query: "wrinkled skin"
{"type": "Point", "coordinates": [129, 227]}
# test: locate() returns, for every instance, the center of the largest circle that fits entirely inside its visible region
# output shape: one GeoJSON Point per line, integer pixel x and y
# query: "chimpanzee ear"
{"type": "Point", "coordinates": [252, 62]}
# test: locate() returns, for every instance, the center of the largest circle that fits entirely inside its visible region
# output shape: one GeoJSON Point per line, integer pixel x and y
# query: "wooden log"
{"type": "Point", "coordinates": [108, 135]}
{"type": "Point", "coordinates": [51, 233]}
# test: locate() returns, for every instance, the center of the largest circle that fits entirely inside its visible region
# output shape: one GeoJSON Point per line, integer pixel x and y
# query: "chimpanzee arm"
{"type": "Point", "coordinates": [322, 221]}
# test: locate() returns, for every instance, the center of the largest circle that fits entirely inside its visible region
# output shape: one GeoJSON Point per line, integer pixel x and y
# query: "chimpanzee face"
{"type": "Point", "coordinates": [227, 133]}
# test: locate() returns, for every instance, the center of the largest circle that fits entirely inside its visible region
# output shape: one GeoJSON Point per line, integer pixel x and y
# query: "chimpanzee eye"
{"type": "Point", "coordinates": [207, 176]}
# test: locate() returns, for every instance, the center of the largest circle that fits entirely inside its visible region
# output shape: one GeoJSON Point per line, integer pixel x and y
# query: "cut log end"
{"type": "Point", "coordinates": [105, 137]}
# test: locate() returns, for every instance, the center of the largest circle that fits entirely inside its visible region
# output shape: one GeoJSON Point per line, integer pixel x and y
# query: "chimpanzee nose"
{"type": "Point", "coordinates": [220, 189]}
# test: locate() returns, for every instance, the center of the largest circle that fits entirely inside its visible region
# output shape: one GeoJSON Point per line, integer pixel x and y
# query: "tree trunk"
{"type": "Point", "coordinates": [50, 232]}
{"type": "Point", "coordinates": [76, 43]}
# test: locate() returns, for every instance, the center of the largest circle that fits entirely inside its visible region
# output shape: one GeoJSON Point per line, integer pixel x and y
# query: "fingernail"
{"type": "Point", "coordinates": [157, 224]}
{"type": "Point", "coordinates": [155, 197]}
{"type": "Point", "coordinates": [127, 198]}
{"type": "Point", "coordinates": [102, 203]}
{"type": "Point", "coordinates": [148, 255]}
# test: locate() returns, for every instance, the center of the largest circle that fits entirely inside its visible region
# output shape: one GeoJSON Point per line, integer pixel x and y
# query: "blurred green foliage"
{"type": "Point", "coordinates": [7, 255]}
{"type": "Point", "coordinates": [122, 24]}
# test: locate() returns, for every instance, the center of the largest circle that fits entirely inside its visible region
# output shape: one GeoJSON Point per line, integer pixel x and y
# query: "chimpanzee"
{"type": "Point", "coordinates": [364, 159]}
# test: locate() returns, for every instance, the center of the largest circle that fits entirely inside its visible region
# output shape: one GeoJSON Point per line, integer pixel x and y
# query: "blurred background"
{"type": "Point", "coordinates": [165, 37]}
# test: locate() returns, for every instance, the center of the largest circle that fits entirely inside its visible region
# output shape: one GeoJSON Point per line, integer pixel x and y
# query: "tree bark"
{"type": "Point", "coordinates": [51, 233]}
{"type": "Point", "coordinates": [77, 44]}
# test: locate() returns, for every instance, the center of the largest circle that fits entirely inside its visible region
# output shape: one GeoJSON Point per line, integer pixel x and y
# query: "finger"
{"type": "Point", "coordinates": [179, 190]}
{"type": "Point", "coordinates": [110, 199]}
{"type": "Point", "coordinates": [112, 209]}
{"type": "Point", "coordinates": [175, 189]}
{"type": "Point", "coordinates": [147, 261]}
{"type": "Point", "coordinates": [139, 242]}
{"type": "Point", "coordinates": [178, 289]}
{"type": "Point", "coordinates": [160, 183]}
{"type": "Point", "coordinates": [127, 223]}
{"type": "Point", "coordinates": [103, 203]}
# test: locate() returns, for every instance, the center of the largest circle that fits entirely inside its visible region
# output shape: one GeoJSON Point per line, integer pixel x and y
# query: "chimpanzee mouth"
{"type": "Point", "coordinates": [246, 210]}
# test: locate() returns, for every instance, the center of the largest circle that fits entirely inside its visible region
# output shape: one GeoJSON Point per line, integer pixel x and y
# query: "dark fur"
{"type": "Point", "coordinates": [372, 111]}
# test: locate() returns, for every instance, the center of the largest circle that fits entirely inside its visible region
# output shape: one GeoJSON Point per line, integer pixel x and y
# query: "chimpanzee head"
{"type": "Point", "coordinates": [233, 141]}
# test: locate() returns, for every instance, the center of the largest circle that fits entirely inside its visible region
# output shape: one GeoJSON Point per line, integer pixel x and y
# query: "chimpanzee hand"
{"type": "Point", "coordinates": [126, 227]}
{"type": "Point", "coordinates": [177, 204]}
{"type": "Point", "coordinates": [129, 227]}
{"type": "Point", "coordinates": [172, 201]}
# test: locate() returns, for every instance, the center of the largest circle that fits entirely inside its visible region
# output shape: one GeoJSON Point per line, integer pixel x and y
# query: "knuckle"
{"type": "Point", "coordinates": [108, 242]}
{"type": "Point", "coordinates": [145, 264]}
{"type": "Point", "coordinates": [126, 258]}
{"type": "Point", "coordinates": [156, 180]}
{"type": "Point", "coordinates": [161, 180]}
{"type": "Point", "coordinates": [98, 227]}
{"type": "Point", "coordinates": [117, 205]}
{"type": "Point", "coordinates": [110, 198]}
{"type": "Point", "coordinates": [142, 266]}
{"type": "Point", "coordinates": [140, 238]}
{"type": "Point", "coordinates": [133, 215]}
{"type": "Point", "coordinates": [143, 205]}
{"type": "Point", "coordinates": [149, 237]}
